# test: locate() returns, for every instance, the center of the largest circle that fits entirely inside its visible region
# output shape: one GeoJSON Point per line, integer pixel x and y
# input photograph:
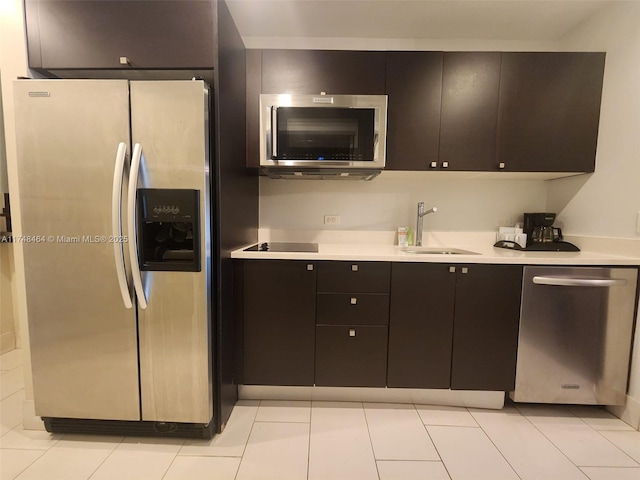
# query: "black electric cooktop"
{"type": "Point", "coordinates": [283, 247]}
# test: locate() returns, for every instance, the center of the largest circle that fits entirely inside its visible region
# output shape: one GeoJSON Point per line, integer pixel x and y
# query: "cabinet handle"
{"type": "Point", "coordinates": [445, 164]}
{"type": "Point", "coordinates": [452, 269]}
{"type": "Point", "coordinates": [465, 270]}
{"type": "Point", "coordinates": [124, 61]}
{"type": "Point", "coordinates": [501, 165]}
{"type": "Point", "coordinates": [354, 301]}
{"type": "Point", "coordinates": [354, 268]}
{"type": "Point", "coordinates": [309, 266]}
{"type": "Point", "coordinates": [433, 164]}
{"type": "Point", "coordinates": [352, 332]}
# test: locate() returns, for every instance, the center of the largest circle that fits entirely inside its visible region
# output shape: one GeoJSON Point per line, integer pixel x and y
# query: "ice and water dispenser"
{"type": "Point", "coordinates": [169, 229]}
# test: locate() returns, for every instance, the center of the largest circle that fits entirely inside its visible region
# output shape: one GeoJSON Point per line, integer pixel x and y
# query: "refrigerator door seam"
{"type": "Point", "coordinates": [116, 224]}
{"type": "Point", "coordinates": [133, 237]}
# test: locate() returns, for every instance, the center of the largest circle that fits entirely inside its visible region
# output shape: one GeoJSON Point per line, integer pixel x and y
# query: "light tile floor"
{"type": "Point", "coordinates": [335, 440]}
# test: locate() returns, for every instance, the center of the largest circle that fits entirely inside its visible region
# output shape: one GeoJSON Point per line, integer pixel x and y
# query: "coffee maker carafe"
{"type": "Point", "coordinates": [542, 235]}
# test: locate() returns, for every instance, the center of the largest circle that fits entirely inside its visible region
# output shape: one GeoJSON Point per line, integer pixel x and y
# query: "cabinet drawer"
{"type": "Point", "coordinates": [351, 356]}
{"type": "Point", "coordinates": [354, 277]}
{"type": "Point", "coordinates": [352, 309]}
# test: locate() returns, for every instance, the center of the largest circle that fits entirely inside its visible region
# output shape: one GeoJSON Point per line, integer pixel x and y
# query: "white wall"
{"type": "Point", "coordinates": [606, 203]}
{"type": "Point", "coordinates": [13, 63]}
{"type": "Point", "coordinates": [390, 200]}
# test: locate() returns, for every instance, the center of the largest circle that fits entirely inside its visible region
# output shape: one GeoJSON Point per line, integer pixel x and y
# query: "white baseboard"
{"type": "Point", "coordinates": [30, 421]}
{"type": "Point", "coordinates": [454, 398]}
{"type": "Point", "coordinates": [7, 342]}
{"type": "Point", "coordinates": [629, 412]}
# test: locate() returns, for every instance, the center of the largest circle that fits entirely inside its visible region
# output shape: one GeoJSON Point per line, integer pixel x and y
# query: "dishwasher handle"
{"type": "Point", "coordinates": [579, 282]}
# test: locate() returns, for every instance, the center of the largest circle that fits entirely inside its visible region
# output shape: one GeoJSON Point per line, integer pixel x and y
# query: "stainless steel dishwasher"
{"type": "Point", "coordinates": [574, 342]}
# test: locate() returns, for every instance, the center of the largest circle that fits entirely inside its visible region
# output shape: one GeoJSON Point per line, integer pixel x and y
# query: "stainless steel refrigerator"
{"type": "Point", "coordinates": [116, 221]}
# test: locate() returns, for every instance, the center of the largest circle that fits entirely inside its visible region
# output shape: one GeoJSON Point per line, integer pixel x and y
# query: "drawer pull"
{"type": "Point", "coordinates": [125, 61]}
{"type": "Point", "coordinates": [452, 269]}
{"type": "Point", "coordinates": [354, 301]}
{"type": "Point", "coordinates": [465, 270]}
{"type": "Point", "coordinates": [352, 332]}
{"type": "Point", "coordinates": [309, 266]}
{"type": "Point", "coordinates": [354, 268]}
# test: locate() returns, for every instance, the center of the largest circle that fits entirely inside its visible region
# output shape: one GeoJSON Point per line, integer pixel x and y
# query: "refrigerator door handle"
{"type": "Point", "coordinates": [133, 236]}
{"type": "Point", "coordinates": [116, 224]}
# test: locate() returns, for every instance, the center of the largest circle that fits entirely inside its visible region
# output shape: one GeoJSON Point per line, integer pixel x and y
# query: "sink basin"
{"type": "Point", "coordinates": [436, 251]}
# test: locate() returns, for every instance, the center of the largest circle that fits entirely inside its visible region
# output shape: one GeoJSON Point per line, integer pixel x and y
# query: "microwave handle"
{"type": "Point", "coordinates": [274, 133]}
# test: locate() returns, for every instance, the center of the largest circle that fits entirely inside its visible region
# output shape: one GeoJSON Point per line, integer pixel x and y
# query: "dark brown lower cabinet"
{"type": "Point", "coordinates": [421, 325]}
{"type": "Point", "coordinates": [485, 329]}
{"type": "Point", "coordinates": [351, 356]}
{"type": "Point", "coordinates": [279, 317]}
{"type": "Point", "coordinates": [441, 326]}
{"type": "Point", "coordinates": [454, 326]}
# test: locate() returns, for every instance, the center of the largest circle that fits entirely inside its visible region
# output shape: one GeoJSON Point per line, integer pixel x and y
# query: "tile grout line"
{"type": "Point", "coordinates": [309, 442]}
{"type": "Point", "coordinates": [6, 372]}
{"type": "Point", "coordinates": [172, 461]}
{"type": "Point", "coordinates": [253, 422]}
{"type": "Point", "coordinates": [494, 445]}
{"type": "Point", "coordinates": [105, 458]}
{"type": "Point", "coordinates": [21, 427]}
{"type": "Point", "coordinates": [373, 452]}
{"type": "Point", "coordinates": [32, 462]}
{"type": "Point", "coordinates": [565, 455]}
{"type": "Point", "coordinates": [424, 425]}
{"type": "Point", "coordinates": [15, 393]}
{"type": "Point", "coordinates": [599, 433]}
{"type": "Point", "coordinates": [616, 446]}
{"type": "Point", "coordinates": [550, 441]}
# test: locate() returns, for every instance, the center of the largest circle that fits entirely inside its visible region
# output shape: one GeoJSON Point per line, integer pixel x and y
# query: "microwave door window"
{"type": "Point", "coordinates": [333, 134]}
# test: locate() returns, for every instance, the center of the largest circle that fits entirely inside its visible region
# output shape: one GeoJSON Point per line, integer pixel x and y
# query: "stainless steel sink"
{"type": "Point", "coordinates": [436, 251]}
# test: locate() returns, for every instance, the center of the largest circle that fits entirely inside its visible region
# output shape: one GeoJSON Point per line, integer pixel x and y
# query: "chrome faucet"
{"type": "Point", "coordinates": [422, 213]}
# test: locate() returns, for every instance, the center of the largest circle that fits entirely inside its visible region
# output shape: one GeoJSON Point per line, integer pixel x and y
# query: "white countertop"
{"type": "Point", "coordinates": [482, 245]}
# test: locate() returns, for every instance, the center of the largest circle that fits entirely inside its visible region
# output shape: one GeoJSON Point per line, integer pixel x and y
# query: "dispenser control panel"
{"type": "Point", "coordinates": [169, 229]}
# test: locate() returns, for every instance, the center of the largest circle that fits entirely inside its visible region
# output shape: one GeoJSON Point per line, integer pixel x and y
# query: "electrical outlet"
{"type": "Point", "coordinates": [638, 223]}
{"type": "Point", "coordinates": [505, 222]}
{"type": "Point", "coordinates": [332, 219]}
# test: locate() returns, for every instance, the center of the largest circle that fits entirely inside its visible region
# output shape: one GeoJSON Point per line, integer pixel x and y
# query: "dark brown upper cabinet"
{"type": "Point", "coordinates": [70, 34]}
{"type": "Point", "coordinates": [414, 87]}
{"type": "Point", "coordinates": [549, 111]}
{"type": "Point", "coordinates": [468, 120]}
{"type": "Point", "coordinates": [338, 72]}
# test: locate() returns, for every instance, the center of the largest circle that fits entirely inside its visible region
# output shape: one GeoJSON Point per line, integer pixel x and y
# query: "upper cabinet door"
{"type": "Point", "coordinates": [95, 34]}
{"type": "Point", "coordinates": [337, 72]}
{"type": "Point", "coordinates": [470, 86]}
{"type": "Point", "coordinates": [414, 86]}
{"type": "Point", "coordinates": [549, 111]}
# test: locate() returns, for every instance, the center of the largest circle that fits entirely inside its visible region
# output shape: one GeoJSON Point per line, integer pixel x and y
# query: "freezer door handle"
{"type": "Point", "coordinates": [579, 282]}
{"type": "Point", "coordinates": [116, 224]}
{"type": "Point", "coordinates": [133, 236]}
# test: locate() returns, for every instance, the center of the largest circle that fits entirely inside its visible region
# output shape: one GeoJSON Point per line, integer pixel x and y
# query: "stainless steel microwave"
{"type": "Point", "coordinates": [330, 136]}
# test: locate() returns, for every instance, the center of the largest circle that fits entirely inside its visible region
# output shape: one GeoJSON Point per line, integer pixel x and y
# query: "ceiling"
{"type": "Point", "coordinates": [524, 20]}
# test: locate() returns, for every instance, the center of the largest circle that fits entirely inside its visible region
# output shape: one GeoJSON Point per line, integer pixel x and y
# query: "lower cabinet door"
{"type": "Point", "coordinates": [485, 327]}
{"type": "Point", "coordinates": [279, 316]}
{"type": "Point", "coordinates": [354, 356]}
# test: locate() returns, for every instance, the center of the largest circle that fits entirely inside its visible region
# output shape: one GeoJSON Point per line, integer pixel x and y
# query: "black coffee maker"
{"type": "Point", "coordinates": [543, 236]}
